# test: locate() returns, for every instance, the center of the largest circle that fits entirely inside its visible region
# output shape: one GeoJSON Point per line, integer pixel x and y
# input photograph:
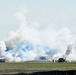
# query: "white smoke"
{"type": "Point", "coordinates": [70, 48]}
{"type": "Point", "coordinates": [12, 39]}
{"type": "Point", "coordinates": [2, 48]}
{"type": "Point", "coordinates": [17, 59]}
{"type": "Point", "coordinates": [9, 58]}
{"type": "Point", "coordinates": [70, 52]}
{"type": "Point", "coordinates": [42, 42]}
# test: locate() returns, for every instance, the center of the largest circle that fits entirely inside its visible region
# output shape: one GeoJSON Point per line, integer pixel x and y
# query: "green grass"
{"type": "Point", "coordinates": [40, 65]}
{"type": "Point", "coordinates": [36, 66]}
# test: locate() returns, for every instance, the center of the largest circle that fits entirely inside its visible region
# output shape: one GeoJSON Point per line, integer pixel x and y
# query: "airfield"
{"type": "Point", "coordinates": [31, 67]}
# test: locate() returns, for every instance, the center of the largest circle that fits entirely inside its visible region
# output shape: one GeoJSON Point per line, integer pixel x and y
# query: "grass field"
{"type": "Point", "coordinates": [36, 66]}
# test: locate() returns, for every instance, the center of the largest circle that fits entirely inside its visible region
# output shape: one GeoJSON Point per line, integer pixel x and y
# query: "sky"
{"type": "Point", "coordinates": [54, 13]}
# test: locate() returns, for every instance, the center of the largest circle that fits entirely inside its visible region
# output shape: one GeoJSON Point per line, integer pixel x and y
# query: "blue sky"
{"type": "Point", "coordinates": [57, 13]}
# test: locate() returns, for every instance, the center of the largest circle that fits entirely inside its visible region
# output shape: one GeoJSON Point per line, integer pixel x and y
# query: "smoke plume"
{"type": "Point", "coordinates": [30, 43]}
